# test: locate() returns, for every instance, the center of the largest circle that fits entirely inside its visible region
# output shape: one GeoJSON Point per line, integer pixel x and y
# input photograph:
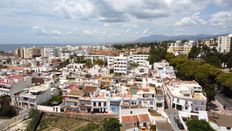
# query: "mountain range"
{"type": "Point", "coordinates": [152, 38]}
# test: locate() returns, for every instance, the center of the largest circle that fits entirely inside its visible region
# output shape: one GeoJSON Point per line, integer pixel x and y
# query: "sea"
{"type": "Point", "coordinates": [12, 47]}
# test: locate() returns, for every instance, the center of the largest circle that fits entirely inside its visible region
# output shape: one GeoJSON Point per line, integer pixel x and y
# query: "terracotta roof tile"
{"type": "Point", "coordinates": [143, 117]}
{"type": "Point", "coordinates": [130, 119]}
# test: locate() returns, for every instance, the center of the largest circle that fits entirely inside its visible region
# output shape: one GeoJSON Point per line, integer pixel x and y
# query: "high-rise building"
{"type": "Point", "coordinates": [36, 52]}
{"type": "Point", "coordinates": [24, 53]}
{"type": "Point", "coordinates": [224, 43]}
{"type": "Point", "coordinates": [120, 64]}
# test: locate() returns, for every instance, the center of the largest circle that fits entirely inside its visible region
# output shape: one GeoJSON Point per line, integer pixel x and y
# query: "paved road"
{"type": "Point", "coordinates": [224, 101]}
{"type": "Point", "coordinates": [171, 114]}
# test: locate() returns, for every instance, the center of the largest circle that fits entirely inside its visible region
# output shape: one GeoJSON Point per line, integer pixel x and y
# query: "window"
{"type": "Point", "coordinates": [99, 103]}
{"type": "Point", "coordinates": [144, 124]}
{"type": "Point", "coordinates": [104, 103]}
{"type": "Point", "coordinates": [159, 104]}
{"type": "Point", "coordinates": [131, 112]}
{"type": "Point", "coordinates": [94, 103]}
{"type": "Point", "coordinates": [151, 102]}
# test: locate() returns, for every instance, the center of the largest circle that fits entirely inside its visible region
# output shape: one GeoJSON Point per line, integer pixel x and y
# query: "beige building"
{"type": "Point", "coordinates": [27, 53]}
{"type": "Point", "coordinates": [24, 52]}
{"type": "Point", "coordinates": [180, 48]}
{"type": "Point", "coordinates": [210, 42]}
{"type": "Point", "coordinates": [224, 43]}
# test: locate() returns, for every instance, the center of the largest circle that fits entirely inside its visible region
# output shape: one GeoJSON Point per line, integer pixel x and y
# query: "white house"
{"type": "Point", "coordinates": [13, 84]}
{"type": "Point", "coordinates": [33, 96]}
{"type": "Point", "coordinates": [185, 96]}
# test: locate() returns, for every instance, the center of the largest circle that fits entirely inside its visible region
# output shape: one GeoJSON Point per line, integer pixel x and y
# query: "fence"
{"type": "Point", "coordinates": [23, 114]}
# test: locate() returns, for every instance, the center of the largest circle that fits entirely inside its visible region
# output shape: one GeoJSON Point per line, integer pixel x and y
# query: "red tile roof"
{"type": "Point", "coordinates": [15, 77]}
{"type": "Point", "coordinates": [90, 89]}
{"type": "Point", "coordinates": [2, 82]}
{"type": "Point", "coordinates": [130, 119]}
{"type": "Point", "coordinates": [16, 68]}
{"type": "Point", "coordinates": [143, 118]}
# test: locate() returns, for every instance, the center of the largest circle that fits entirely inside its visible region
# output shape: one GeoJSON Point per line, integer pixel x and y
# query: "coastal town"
{"type": "Point", "coordinates": [139, 86]}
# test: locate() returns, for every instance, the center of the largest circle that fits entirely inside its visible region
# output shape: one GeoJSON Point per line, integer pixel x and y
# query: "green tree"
{"type": "Point", "coordinates": [198, 125]}
{"type": "Point", "coordinates": [194, 52]}
{"type": "Point", "coordinates": [6, 110]}
{"type": "Point", "coordinates": [229, 62]}
{"type": "Point", "coordinates": [98, 62]}
{"type": "Point", "coordinates": [214, 60]}
{"type": "Point", "coordinates": [5, 101]}
{"type": "Point", "coordinates": [111, 124]}
{"type": "Point", "coordinates": [210, 91]}
{"type": "Point", "coordinates": [157, 54]}
{"type": "Point", "coordinates": [89, 63]}
{"type": "Point", "coordinates": [133, 65]}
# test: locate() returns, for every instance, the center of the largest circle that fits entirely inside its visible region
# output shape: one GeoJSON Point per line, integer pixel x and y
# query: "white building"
{"type": "Point", "coordinates": [14, 84]}
{"type": "Point", "coordinates": [33, 96]}
{"type": "Point", "coordinates": [120, 64]}
{"type": "Point", "coordinates": [224, 43]}
{"type": "Point", "coordinates": [110, 61]}
{"type": "Point", "coordinates": [139, 58]}
{"type": "Point", "coordinates": [135, 118]}
{"type": "Point", "coordinates": [185, 96]}
{"type": "Point", "coordinates": [164, 70]}
{"type": "Point", "coordinates": [95, 57]}
{"type": "Point", "coordinates": [151, 98]}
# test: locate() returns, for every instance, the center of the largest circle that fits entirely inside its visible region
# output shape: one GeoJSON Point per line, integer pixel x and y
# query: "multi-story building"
{"type": "Point", "coordinates": [121, 64]}
{"type": "Point", "coordinates": [71, 95]}
{"type": "Point", "coordinates": [210, 42]}
{"type": "Point", "coordinates": [14, 84]}
{"type": "Point", "coordinates": [164, 70]}
{"type": "Point", "coordinates": [110, 61]}
{"type": "Point", "coordinates": [36, 52]}
{"type": "Point", "coordinates": [95, 57]}
{"type": "Point", "coordinates": [138, 58]}
{"type": "Point", "coordinates": [152, 98]}
{"type": "Point", "coordinates": [33, 96]}
{"type": "Point", "coordinates": [24, 53]}
{"type": "Point", "coordinates": [180, 48]}
{"type": "Point", "coordinates": [185, 96]}
{"type": "Point", "coordinates": [224, 43]}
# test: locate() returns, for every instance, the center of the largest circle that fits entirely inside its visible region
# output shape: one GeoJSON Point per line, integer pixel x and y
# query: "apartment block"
{"type": "Point", "coordinates": [121, 64]}
{"type": "Point", "coordinates": [33, 96]}
{"type": "Point", "coordinates": [224, 43]}
{"type": "Point", "coordinates": [180, 48]}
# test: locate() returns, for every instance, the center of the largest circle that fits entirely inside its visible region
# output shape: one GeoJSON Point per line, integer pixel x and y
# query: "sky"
{"type": "Point", "coordinates": [107, 21]}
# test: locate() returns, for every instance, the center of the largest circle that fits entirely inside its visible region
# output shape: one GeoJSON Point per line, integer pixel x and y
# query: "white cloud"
{"type": "Point", "coordinates": [74, 9]}
{"type": "Point", "coordinates": [41, 31]}
{"type": "Point", "coordinates": [146, 32]}
{"type": "Point", "coordinates": [75, 30]}
{"type": "Point", "coordinates": [191, 20]}
{"type": "Point", "coordinates": [222, 19]}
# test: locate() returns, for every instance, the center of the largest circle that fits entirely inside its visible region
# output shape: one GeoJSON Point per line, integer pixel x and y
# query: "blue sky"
{"type": "Point", "coordinates": [105, 21]}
